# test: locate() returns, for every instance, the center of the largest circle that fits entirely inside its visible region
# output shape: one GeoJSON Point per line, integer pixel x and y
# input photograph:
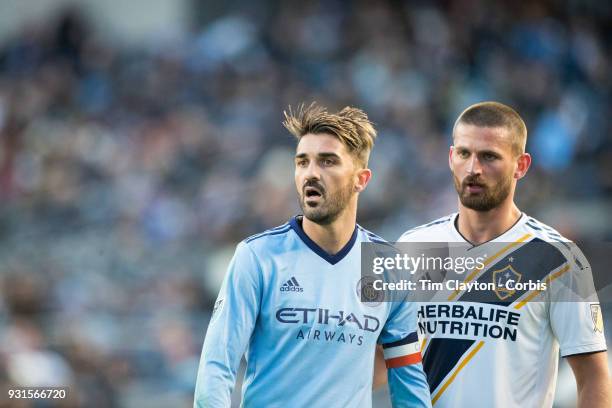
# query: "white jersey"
{"type": "Point", "coordinates": [494, 354]}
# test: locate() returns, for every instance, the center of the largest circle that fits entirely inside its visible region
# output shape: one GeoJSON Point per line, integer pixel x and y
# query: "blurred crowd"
{"type": "Point", "coordinates": [128, 175]}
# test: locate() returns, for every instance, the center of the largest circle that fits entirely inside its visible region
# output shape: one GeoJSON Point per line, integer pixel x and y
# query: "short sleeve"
{"type": "Point", "coordinates": [575, 313]}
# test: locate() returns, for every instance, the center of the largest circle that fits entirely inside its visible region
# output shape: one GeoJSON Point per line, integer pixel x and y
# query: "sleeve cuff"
{"type": "Point", "coordinates": [587, 348]}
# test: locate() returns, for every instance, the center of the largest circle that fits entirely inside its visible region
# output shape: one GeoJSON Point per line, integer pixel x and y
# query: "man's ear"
{"type": "Point", "coordinates": [362, 179]}
{"type": "Point", "coordinates": [523, 164]}
{"type": "Point", "coordinates": [450, 157]}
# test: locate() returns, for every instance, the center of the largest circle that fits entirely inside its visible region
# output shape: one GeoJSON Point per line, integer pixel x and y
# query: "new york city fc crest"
{"type": "Point", "coordinates": [366, 292]}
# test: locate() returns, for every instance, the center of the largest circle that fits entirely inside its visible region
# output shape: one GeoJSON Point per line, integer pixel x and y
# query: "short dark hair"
{"type": "Point", "coordinates": [495, 114]}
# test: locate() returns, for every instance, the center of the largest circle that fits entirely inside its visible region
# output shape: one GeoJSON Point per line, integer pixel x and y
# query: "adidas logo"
{"type": "Point", "coordinates": [291, 285]}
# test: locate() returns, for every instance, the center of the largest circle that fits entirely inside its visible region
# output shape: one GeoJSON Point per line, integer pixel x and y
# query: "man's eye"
{"type": "Point", "coordinates": [301, 163]}
{"type": "Point", "coordinates": [463, 154]}
{"type": "Point", "coordinates": [328, 162]}
{"type": "Point", "coordinates": [489, 157]}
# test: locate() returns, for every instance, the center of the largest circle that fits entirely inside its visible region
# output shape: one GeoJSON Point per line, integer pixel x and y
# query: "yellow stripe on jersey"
{"type": "Point", "coordinates": [459, 368]}
{"type": "Point", "coordinates": [548, 279]}
{"type": "Point", "coordinates": [487, 261]}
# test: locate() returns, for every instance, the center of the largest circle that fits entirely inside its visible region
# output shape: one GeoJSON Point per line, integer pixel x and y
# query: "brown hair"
{"type": "Point", "coordinates": [495, 114]}
{"type": "Point", "coordinates": [351, 126]}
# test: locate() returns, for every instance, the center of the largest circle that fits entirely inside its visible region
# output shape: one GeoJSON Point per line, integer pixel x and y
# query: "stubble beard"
{"type": "Point", "coordinates": [332, 205]}
{"type": "Point", "coordinates": [488, 199]}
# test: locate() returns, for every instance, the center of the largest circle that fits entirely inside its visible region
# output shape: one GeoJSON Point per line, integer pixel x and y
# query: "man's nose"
{"type": "Point", "coordinates": [474, 166]}
{"type": "Point", "coordinates": [312, 171]}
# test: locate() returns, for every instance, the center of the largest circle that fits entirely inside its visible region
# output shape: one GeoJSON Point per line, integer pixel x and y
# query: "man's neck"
{"type": "Point", "coordinates": [481, 226]}
{"type": "Point", "coordinates": [332, 237]}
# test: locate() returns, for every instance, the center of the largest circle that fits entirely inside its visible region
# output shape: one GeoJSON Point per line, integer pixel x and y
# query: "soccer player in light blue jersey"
{"type": "Point", "coordinates": [290, 299]}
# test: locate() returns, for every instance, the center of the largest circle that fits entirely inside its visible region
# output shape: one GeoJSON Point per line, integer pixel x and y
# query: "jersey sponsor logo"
{"type": "Point", "coordinates": [597, 318]}
{"type": "Point", "coordinates": [468, 321]}
{"type": "Point", "coordinates": [291, 285]}
{"type": "Point", "coordinates": [329, 336]}
{"type": "Point", "coordinates": [301, 315]}
{"type": "Point", "coordinates": [502, 278]}
{"type": "Point", "coordinates": [351, 328]}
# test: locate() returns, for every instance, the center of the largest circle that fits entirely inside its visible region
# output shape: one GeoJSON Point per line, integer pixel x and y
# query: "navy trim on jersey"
{"type": "Point", "coordinates": [539, 224]}
{"type": "Point", "coordinates": [371, 234]}
{"type": "Point", "coordinates": [332, 259]}
{"type": "Point", "coordinates": [274, 231]}
{"type": "Point", "coordinates": [447, 353]}
{"type": "Point", "coordinates": [436, 222]}
{"type": "Point", "coordinates": [377, 241]}
{"type": "Point", "coordinates": [533, 226]}
{"type": "Point", "coordinates": [411, 338]}
{"type": "Point", "coordinates": [375, 238]}
{"type": "Point", "coordinates": [550, 233]}
{"type": "Point", "coordinates": [532, 262]}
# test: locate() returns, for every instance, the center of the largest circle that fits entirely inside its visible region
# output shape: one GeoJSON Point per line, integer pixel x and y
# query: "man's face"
{"type": "Point", "coordinates": [483, 166]}
{"type": "Point", "coordinates": [324, 176]}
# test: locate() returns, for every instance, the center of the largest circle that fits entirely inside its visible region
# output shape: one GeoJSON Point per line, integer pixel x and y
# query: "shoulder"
{"type": "Point", "coordinates": [543, 231]}
{"type": "Point", "coordinates": [258, 249]}
{"type": "Point", "coordinates": [267, 239]}
{"type": "Point", "coordinates": [553, 244]}
{"type": "Point", "coordinates": [370, 236]}
{"type": "Point", "coordinates": [427, 231]}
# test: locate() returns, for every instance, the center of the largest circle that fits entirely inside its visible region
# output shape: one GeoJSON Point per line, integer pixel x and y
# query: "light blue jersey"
{"type": "Point", "coordinates": [309, 340]}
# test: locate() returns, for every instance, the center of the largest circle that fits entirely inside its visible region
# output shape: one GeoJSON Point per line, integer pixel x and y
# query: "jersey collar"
{"type": "Point", "coordinates": [500, 238]}
{"type": "Point", "coordinates": [296, 224]}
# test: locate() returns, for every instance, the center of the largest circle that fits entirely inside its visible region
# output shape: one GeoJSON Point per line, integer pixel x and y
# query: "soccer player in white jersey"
{"type": "Point", "coordinates": [465, 365]}
{"type": "Point", "coordinates": [291, 297]}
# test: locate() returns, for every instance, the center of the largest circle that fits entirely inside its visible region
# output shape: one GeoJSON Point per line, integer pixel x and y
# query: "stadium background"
{"type": "Point", "coordinates": [140, 142]}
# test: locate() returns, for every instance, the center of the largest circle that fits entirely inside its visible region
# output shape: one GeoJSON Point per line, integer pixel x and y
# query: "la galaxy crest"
{"type": "Point", "coordinates": [501, 278]}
